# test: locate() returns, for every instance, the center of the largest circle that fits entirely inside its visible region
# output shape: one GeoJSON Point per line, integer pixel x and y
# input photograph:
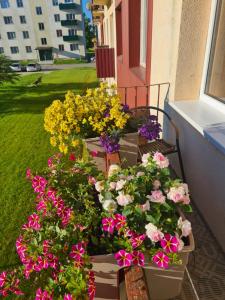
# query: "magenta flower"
{"type": "Point", "coordinates": [120, 221]}
{"type": "Point", "coordinates": [42, 262]}
{"type": "Point", "coordinates": [169, 243]}
{"type": "Point", "coordinates": [68, 297]}
{"type": "Point", "coordinates": [42, 206]}
{"type": "Point", "coordinates": [28, 174]}
{"type": "Point", "coordinates": [124, 259]}
{"type": "Point", "coordinates": [39, 183]}
{"type": "Point", "coordinates": [91, 292]}
{"type": "Point", "coordinates": [138, 258]}
{"type": "Point", "coordinates": [66, 215]}
{"type": "Point", "coordinates": [33, 222]}
{"type": "Point", "coordinates": [42, 295]}
{"type": "Point", "coordinates": [94, 153]}
{"type": "Point", "coordinates": [50, 162]}
{"type": "Point", "coordinates": [108, 224]}
{"type": "Point", "coordinates": [52, 260]}
{"type": "Point", "coordinates": [51, 194]}
{"type": "Point", "coordinates": [72, 157]}
{"type": "Point", "coordinates": [136, 241]}
{"type": "Point", "coordinates": [2, 279]}
{"type": "Point", "coordinates": [161, 260]}
{"type": "Point", "coordinates": [77, 251]}
{"type": "Point", "coordinates": [91, 180]}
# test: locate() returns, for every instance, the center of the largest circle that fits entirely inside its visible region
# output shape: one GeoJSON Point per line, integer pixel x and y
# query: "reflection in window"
{"type": "Point", "coordinates": [143, 33]}
{"type": "Point", "coordinates": [215, 84]}
{"type": "Point", "coordinates": [4, 3]}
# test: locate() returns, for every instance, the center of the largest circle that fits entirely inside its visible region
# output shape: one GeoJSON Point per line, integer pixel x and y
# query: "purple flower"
{"type": "Point", "coordinates": [110, 143]}
{"type": "Point", "coordinates": [150, 129]}
{"type": "Point", "coordinates": [125, 108]}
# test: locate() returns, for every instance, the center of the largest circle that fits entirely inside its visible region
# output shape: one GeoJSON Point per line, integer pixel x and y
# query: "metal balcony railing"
{"type": "Point", "coordinates": [69, 22]}
{"type": "Point", "coordinates": [67, 6]}
{"type": "Point", "coordinates": [70, 38]}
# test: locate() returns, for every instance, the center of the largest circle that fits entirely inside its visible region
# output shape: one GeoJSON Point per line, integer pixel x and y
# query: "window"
{"type": "Point", "coordinates": [41, 26]}
{"type": "Point", "coordinates": [38, 10]}
{"type": "Point", "coordinates": [8, 20]}
{"type": "Point", "coordinates": [59, 33]}
{"type": "Point", "coordinates": [23, 20]}
{"type": "Point", "coordinates": [143, 33]}
{"type": "Point", "coordinates": [68, 1]}
{"type": "Point", "coordinates": [14, 50]}
{"type": "Point", "coordinates": [72, 32]}
{"type": "Point", "coordinates": [70, 16]}
{"type": "Point", "coordinates": [11, 35]}
{"type": "Point", "coordinates": [215, 86]}
{"type": "Point", "coordinates": [43, 41]}
{"type": "Point", "coordinates": [1, 50]}
{"type": "Point", "coordinates": [55, 2]}
{"type": "Point", "coordinates": [26, 34]}
{"type": "Point", "coordinates": [61, 47]}
{"type": "Point", "coordinates": [19, 3]}
{"type": "Point", "coordinates": [73, 47]}
{"type": "Point", "coordinates": [57, 18]}
{"type": "Point", "coordinates": [28, 49]}
{"type": "Point", "coordinates": [4, 4]}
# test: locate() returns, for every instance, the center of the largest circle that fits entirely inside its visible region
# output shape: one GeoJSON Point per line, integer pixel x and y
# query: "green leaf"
{"type": "Point", "coordinates": [150, 219]}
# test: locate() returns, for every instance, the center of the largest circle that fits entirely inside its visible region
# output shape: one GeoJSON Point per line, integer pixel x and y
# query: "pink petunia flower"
{"type": "Point", "coordinates": [77, 251]}
{"type": "Point", "coordinates": [33, 221]}
{"type": "Point", "coordinates": [160, 160]}
{"type": "Point", "coordinates": [39, 183]}
{"type": "Point", "coordinates": [91, 291]}
{"type": "Point", "coordinates": [42, 295]}
{"type": "Point", "coordinates": [68, 297]}
{"type": "Point", "coordinates": [28, 174]}
{"type": "Point", "coordinates": [120, 221]}
{"type": "Point", "coordinates": [108, 224]}
{"type": "Point", "coordinates": [136, 241]}
{"type": "Point", "coordinates": [91, 180]}
{"type": "Point", "coordinates": [51, 194]}
{"type": "Point", "coordinates": [42, 206]}
{"type": "Point", "coordinates": [94, 153]}
{"type": "Point", "coordinates": [3, 279]}
{"type": "Point", "coordinates": [161, 260]}
{"type": "Point", "coordinates": [50, 162]}
{"type": "Point", "coordinates": [124, 259]}
{"type": "Point", "coordinates": [169, 243]}
{"type": "Point", "coordinates": [138, 258]}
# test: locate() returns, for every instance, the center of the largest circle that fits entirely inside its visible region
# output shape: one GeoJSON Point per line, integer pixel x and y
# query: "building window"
{"type": "Point", "coordinates": [143, 33]}
{"type": "Point", "coordinates": [8, 20]}
{"type": "Point", "coordinates": [59, 33]}
{"type": "Point", "coordinates": [215, 86]}
{"type": "Point", "coordinates": [72, 32]}
{"type": "Point", "coordinates": [57, 17]}
{"type": "Point", "coordinates": [68, 1]}
{"type": "Point", "coordinates": [26, 34]}
{"type": "Point", "coordinates": [43, 41]}
{"type": "Point", "coordinates": [19, 3]}
{"type": "Point", "coordinates": [61, 47]}
{"type": "Point", "coordinates": [73, 47]}
{"type": "Point", "coordinates": [41, 26]}
{"type": "Point", "coordinates": [11, 35]}
{"type": "Point", "coordinates": [38, 10]}
{"type": "Point", "coordinates": [23, 20]}
{"type": "Point", "coordinates": [1, 50]}
{"type": "Point", "coordinates": [70, 16]}
{"type": "Point", "coordinates": [28, 49]}
{"type": "Point", "coordinates": [14, 50]}
{"type": "Point", "coordinates": [4, 4]}
{"type": "Point", "coordinates": [55, 2]}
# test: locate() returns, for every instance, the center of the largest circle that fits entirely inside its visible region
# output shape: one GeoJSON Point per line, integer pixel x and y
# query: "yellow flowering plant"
{"type": "Point", "coordinates": [98, 112]}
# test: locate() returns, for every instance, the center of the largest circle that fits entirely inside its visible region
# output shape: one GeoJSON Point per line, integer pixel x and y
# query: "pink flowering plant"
{"type": "Point", "coordinates": [140, 213]}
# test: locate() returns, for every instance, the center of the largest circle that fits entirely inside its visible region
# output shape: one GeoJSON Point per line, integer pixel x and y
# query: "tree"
{"type": "Point", "coordinates": [89, 32]}
{"type": "Point", "coordinates": [6, 74]}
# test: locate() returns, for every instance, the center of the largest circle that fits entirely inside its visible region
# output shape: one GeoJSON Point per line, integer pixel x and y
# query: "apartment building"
{"type": "Point", "coordinates": [42, 29]}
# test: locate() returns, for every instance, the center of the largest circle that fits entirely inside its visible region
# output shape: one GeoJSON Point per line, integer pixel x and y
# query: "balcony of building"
{"type": "Point", "coordinates": [69, 22]}
{"type": "Point", "coordinates": [67, 6]}
{"type": "Point", "coordinates": [70, 38]}
{"type": "Point", "coordinates": [102, 2]}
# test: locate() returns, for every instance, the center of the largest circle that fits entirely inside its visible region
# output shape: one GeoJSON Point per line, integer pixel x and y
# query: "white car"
{"type": "Point", "coordinates": [33, 67]}
{"type": "Point", "coordinates": [16, 67]}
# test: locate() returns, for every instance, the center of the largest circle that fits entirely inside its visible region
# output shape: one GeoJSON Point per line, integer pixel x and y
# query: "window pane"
{"type": "Point", "coordinates": [215, 86]}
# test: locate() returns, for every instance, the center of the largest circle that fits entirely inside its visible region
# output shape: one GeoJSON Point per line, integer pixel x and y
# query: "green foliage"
{"type": "Point", "coordinates": [89, 32]}
{"type": "Point", "coordinates": [6, 74]}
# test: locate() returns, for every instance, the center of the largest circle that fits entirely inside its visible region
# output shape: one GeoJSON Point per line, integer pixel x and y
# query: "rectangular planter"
{"type": "Point", "coordinates": [163, 284]}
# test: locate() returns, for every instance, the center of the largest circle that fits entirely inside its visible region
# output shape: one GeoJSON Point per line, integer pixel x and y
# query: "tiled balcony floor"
{"type": "Point", "coordinates": [205, 276]}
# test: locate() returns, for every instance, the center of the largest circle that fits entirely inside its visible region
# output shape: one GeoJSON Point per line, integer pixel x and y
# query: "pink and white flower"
{"type": "Point", "coordinates": [124, 259]}
{"type": "Point", "coordinates": [77, 251]}
{"type": "Point", "coordinates": [42, 295]}
{"type": "Point", "coordinates": [136, 241]}
{"type": "Point", "coordinates": [146, 206]}
{"type": "Point", "coordinates": [120, 184]}
{"type": "Point", "coordinates": [99, 186]}
{"type": "Point", "coordinates": [112, 186]}
{"type": "Point", "coordinates": [39, 183]}
{"type": "Point", "coordinates": [161, 260]}
{"type": "Point", "coordinates": [68, 297]}
{"type": "Point", "coordinates": [3, 278]}
{"type": "Point", "coordinates": [157, 197]}
{"type": "Point", "coordinates": [110, 205]}
{"type": "Point", "coordinates": [113, 169]}
{"type": "Point", "coordinates": [160, 160]}
{"type": "Point", "coordinates": [145, 159]}
{"type": "Point", "coordinates": [120, 221]}
{"type": "Point", "coordinates": [34, 221]}
{"type": "Point", "coordinates": [184, 226]}
{"type": "Point", "coordinates": [124, 199]}
{"type": "Point", "coordinates": [108, 224]}
{"type": "Point", "coordinates": [138, 258]}
{"type": "Point", "coordinates": [169, 243]}
{"type": "Point", "coordinates": [153, 232]}
{"type": "Point", "coordinates": [139, 174]}
{"type": "Point", "coordinates": [179, 194]}
{"type": "Point", "coordinates": [91, 180]}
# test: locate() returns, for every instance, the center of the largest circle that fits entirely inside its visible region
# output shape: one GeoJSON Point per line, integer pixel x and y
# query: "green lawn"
{"type": "Point", "coordinates": [24, 143]}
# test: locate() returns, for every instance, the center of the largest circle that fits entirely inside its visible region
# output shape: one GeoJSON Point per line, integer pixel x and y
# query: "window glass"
{"type": "Point", "coordinates": [70, 16]}
{"type": "Point", "coordinates": [57, 18]}
{"type": "Point", "coordinates": [73, 47]}
{"type": "Point", "coordinates": [61, 47]}
{"type": "Point", "coordinates": [72, 32]}
{"type": "Point", "coordinates": [143, 33]}
{"type": "Point", "coordinates": [14, 50]}
{"type": "Point", "coordinates": [8, 20]}
{"type": "Point", "coordinates": [59, 33]}
{"type": "Point", "coordinates": [25, 34]}
{"type": "Point", "coordinates": [41, 26]}
{"type": "Point", "coordinates": [215, 83]}
{"type": "Point", "coordinates": [55, 2]}
{"type": "Point", "coordinates": [38, 10]}
{"type": "Point", "coordinates": [28, 49]}
{"type": "Point", "coordinates": [1, 50]}
{"type": "Point", "coordinates": [19, 3]}
{"type": "Point", "coordinates": [4, 4]}
{"type": "Point", "coordinates": [23, 20]}
{"type": "Point", "coordinates": [11, 35]}
{"type": "Point", "coordinates": [44, 41]}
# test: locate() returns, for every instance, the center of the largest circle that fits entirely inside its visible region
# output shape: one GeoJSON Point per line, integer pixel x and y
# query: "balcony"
{"type": "Point", "coordinates": [69, 22]}
{"type": "Point", "coordinates": [67, 6]}
{"type": "Point", "coordinates": [70, 38]}
{"type": "Point", "coordinates": [101, 2]}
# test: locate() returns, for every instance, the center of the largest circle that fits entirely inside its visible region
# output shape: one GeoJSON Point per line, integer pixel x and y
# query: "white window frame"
{"type": "Point", "coordinates": [203, 96]}
{"type": "Point", "coordinates": [143, 32]}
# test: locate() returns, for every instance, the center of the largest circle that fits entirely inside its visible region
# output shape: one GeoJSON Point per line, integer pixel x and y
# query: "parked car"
{"type": "Point", "coordinates": [33, 67]}
{"type": "Point", "coordinates": [16, 67]}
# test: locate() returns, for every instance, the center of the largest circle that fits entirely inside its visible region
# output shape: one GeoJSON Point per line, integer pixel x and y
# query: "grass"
{"type": "Point", "coordinates": [24, 143]}
{"type": "Point", "coordinates": [62, 61]}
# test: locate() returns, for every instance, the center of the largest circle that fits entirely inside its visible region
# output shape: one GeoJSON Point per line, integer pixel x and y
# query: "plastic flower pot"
{"type": "Point", "coordinates": [163, 284]}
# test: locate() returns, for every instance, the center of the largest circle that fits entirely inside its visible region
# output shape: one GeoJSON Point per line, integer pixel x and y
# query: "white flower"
{"type": "Point", "coordinates": [157, 197]}
{"type": "Point", "coordinates": [112, 185]}
{"type": "Point", "coordinates": [146, 206]}
{"type": "Point", "coordinates": [110, 205]}
{"type": "Point", "coordinates": [153, 232]}
{"type": "Point", "coordinates": [99, 186]}
{"type": "Point", "coordinates": [140, 174]}
{"type": "Point", "coordinates": [120, 184]}
{"type": "Point", "coordinates": [124, 200]}
{"type": "Point", "coordinates": [179, 194]}
{"type": "Point", "coordinates": [145, 158]}
{"type": "Point", "coordinates": [100, 198]}
{"type": "Point", "coordinates": [185, 226]}
{"type": "Point", "coordinates": [160, 160]}
{"type": "Point", "coordinates": [130, 177]}
{"type": "Point", "coordinates": [113, 169]}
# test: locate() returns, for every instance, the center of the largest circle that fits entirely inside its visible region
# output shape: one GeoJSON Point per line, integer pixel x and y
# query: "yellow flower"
{"type": "Point", "coordinates": [53, 141]}
{"type": "Point", "coordinates": [63, 148]}
{"type": "Point", "coordinates": [75, 143]}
